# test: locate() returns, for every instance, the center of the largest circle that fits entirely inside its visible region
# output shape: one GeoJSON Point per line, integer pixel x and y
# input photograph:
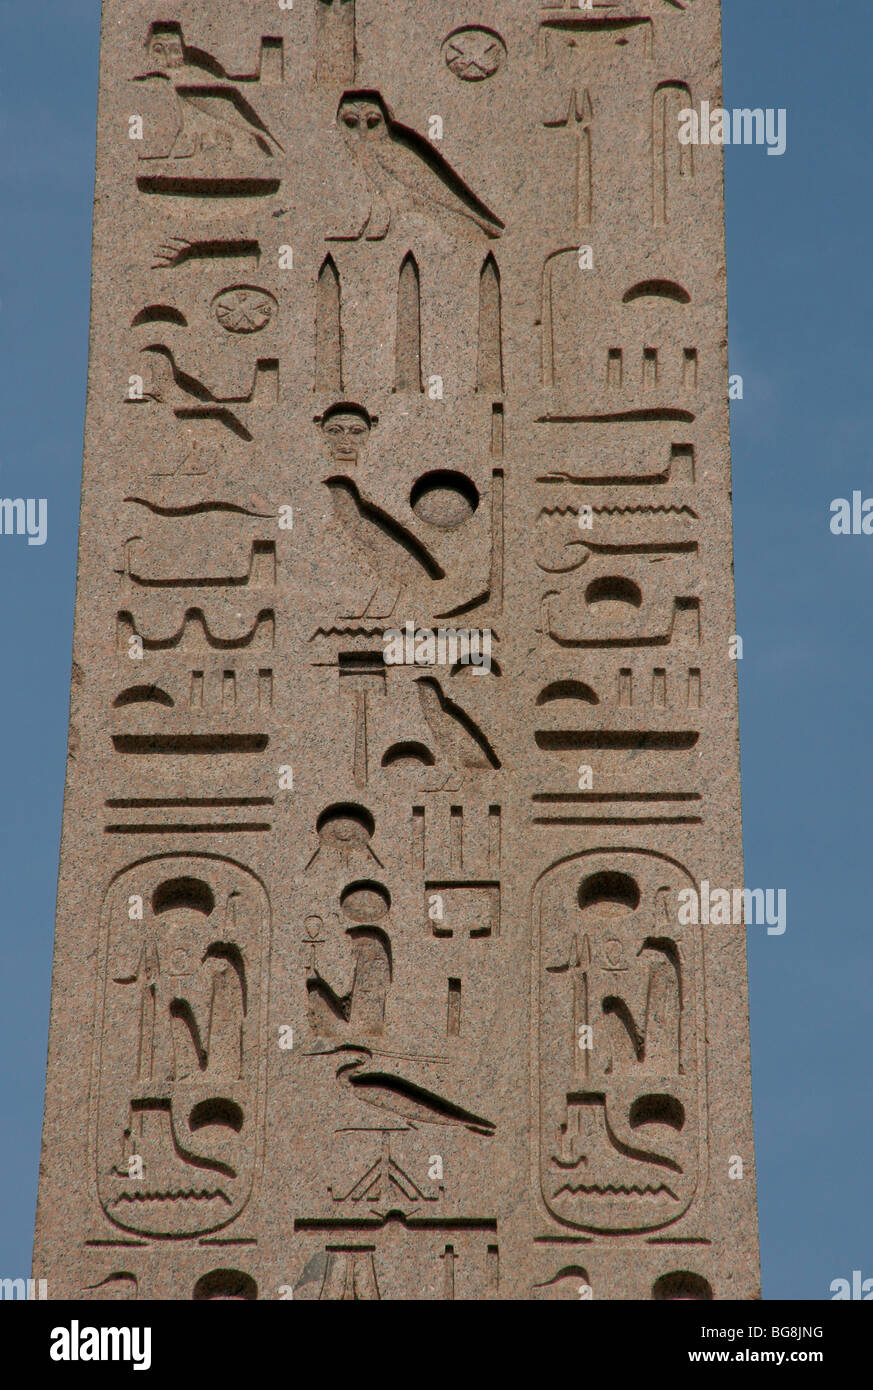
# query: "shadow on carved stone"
{"type": "Point", "coordinates": [225, 1284]}
{"type": "Point", "coordinates": [681, 1286]}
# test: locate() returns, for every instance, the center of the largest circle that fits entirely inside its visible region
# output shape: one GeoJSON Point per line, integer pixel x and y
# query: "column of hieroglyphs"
{"type": "Point", "coordinates": [370, 980]}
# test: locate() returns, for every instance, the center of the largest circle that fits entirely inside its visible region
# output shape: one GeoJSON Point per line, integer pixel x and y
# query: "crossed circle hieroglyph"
{"type": "Point", "coordinates": [473, 53]}
{"type": "Point", "coordinates": [244, 308]}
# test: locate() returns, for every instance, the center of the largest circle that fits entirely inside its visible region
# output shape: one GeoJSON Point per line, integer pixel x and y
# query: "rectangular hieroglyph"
{"type": "Point", "coordinates": [370, 975]}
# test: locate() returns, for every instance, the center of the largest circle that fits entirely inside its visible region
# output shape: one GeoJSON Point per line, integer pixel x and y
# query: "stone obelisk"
{"type": "Point", "coordinates": [404, 718]}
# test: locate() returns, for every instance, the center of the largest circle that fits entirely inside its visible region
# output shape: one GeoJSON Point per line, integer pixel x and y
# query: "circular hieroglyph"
{"type": "Point", "coordinates": [244, 308]}
{"type": "Point", "coordinates": [365, 901]}
{"type": "Point", "coordinates": [444, 499]}
{"type": "Point", "coordinates": [473, 53]}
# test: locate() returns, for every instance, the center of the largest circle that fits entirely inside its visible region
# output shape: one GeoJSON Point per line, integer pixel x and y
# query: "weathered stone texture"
{"type": "Point", "coordinates": [331, 932]}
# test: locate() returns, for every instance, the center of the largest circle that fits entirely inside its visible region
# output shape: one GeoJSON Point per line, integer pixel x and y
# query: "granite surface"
{"type": "Point", "coordinates": [403, 713]}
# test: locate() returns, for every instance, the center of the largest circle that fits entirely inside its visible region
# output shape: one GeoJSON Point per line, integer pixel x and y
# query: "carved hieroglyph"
{"type": "Point", "coordinates": [178, 1086]}
{"type": "Point", "coordinates": [621, 1059]}
{"type": "Point", "coordinates": [408, 332]}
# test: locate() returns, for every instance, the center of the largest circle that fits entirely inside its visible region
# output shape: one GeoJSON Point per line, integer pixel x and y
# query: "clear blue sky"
{"type": "Point", "coordinates": [801, 309]}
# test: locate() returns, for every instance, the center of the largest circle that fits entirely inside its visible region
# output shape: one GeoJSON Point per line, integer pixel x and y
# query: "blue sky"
{"type": "Point", "coordinates": [800, 312]}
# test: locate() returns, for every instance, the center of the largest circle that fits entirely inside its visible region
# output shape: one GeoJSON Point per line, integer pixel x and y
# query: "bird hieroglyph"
{"type": "Point", "coordinates": [402, 171]}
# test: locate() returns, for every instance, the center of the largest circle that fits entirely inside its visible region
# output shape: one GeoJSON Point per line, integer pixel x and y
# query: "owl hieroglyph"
{"type": "Point", "coordinates": [402, 171]}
